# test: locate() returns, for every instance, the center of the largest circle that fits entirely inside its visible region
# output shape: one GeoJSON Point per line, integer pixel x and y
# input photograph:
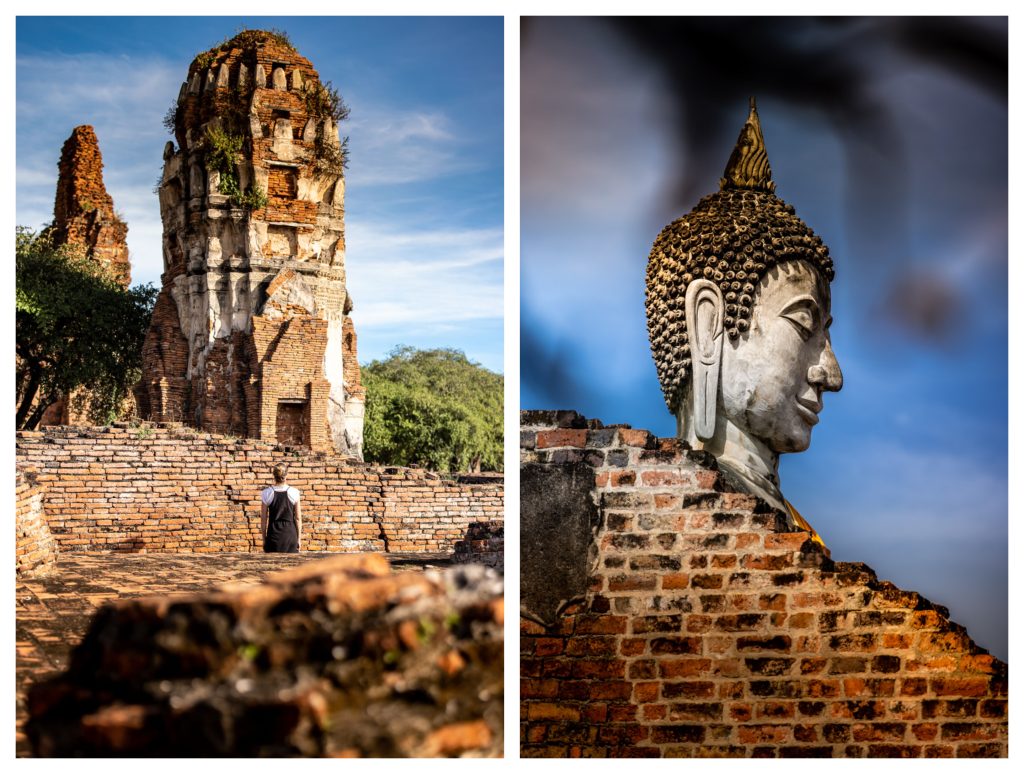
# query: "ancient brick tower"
{"type": "Point", "coordinates": [83, 216]}
{"type": "Point", "coordinates": [83, 211]}
{"type": "Point", "coordinates": [251, 334]}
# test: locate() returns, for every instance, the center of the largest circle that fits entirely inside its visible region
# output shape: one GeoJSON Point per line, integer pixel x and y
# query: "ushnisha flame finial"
{"type": "Point", "coordinates": [748, 166]}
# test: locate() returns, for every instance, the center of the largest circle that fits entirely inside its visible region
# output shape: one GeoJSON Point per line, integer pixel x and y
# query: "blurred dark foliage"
{"type": "Point", "coordinates": [714, 64]}
{"type": "Point", "coordinates": [829, 66]}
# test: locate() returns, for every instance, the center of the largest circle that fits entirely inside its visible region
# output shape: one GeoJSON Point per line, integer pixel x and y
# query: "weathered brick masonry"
{"type": "Point", "coordinates": [709, 630]}
{"type": "Point", "coordinates": [35, 548]}
{"type": "Point", "coordinates": [83, 211]}
{"type": "Point", "coordinates": [174, 489]}
{"type": "Point", "coordinates": [483, 543]}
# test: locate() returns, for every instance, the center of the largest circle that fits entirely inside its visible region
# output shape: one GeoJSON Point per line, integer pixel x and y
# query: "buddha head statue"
{"type": "Point", "coordinates": [738, 312]}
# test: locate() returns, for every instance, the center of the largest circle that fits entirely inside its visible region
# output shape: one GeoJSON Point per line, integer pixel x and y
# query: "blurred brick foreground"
{"type": "Point", "coordinates": [338, 657]}
{"type": "Point", "coordinates": [702, 627]}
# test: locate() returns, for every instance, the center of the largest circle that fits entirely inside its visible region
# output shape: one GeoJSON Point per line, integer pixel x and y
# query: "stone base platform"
{"type": "Point", "coordinates": [54, 610]}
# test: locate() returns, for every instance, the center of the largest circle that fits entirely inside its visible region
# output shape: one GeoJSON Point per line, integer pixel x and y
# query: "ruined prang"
{"type": "Point", "coordinates": [84, 218]}
{"type": "Point", "coordinates": [251, 334]}
{"type": "Point", "coordinates": [83, 211]}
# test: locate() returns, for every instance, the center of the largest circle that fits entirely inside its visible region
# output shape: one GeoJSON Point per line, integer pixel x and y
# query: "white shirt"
{"type": "Point", "coordinates": [268, 493]}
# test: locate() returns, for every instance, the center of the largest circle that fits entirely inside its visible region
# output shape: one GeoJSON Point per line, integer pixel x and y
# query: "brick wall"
{"type": "Point", "coordinates": [288, 365]}
{"type": "Point", "coordinates": [483, 543]}
{"type": "Point", "coordinates": [710, 630]}
{"type": "Point", "coordinates": [173, 489]}
{"type": "Point", "coordinates": [35, 548]}
{"type": "Point", "coordinates": [163, 393]}
{"type": "Point", "coordinates": [353, 378]}
{"type": "Point", "coordinates": [282, 183]}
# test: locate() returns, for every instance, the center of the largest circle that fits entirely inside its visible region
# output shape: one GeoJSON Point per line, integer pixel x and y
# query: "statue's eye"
{"type": "Point", "coordinates": [802, 320]}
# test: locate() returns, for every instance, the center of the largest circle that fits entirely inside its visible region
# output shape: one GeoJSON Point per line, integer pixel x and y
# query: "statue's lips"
{"type": "Point", "coordinates": [808, 413]}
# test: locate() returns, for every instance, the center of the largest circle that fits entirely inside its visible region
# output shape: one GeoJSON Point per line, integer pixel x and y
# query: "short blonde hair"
{"type": "Point", "coordinates": [280, 473]}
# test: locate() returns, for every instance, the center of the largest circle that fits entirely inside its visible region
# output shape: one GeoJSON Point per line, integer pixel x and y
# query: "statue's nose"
{"type": "Point", "coordinates": [825, 373]}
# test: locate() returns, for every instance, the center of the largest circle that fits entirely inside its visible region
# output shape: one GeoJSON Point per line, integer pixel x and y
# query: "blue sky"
{"type": "Point", "coordinates": [907, 471]}
{"type": "Point", "coordinates": [424, 187]}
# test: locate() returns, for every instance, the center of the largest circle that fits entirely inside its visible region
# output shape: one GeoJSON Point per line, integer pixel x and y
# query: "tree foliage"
{"type": "Point", "coordinates": [75, 327]}
{"type": "Point", "coordinates": [433, 408]}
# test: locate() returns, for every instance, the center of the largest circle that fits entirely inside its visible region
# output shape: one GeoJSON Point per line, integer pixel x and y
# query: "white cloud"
{"type": "Point", "coordinates": [390, 146]}
{"type": "Point", "coordinates": [456, 249]}
{"type": "Point", "coordinates": [413, 126]}
{"type": "Point", "coordinates": [428, 278]}
{"type": "Point", "coordinates": [123, 94]}
{"type": "Point", "coordinates": [36, 177]}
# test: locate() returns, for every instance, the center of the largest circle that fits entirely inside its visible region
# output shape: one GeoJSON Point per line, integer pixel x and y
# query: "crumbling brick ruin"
{"type": "Point", "coordinates": [35, 548]}
{"type": "Point", "coordinates": [670, 615]}
{"type": "Point", "coordinates": [190, 502]}
{"type": "Point", "coordinates": [336, 658]}
{"type": "Point", "coordinates": [251, 333]}
{"type": "Point", "coordinates": [83, 211]}
{"type": "Point", "coordinates": [84, 216]}
{"type": "Point", "coordinates": [483, 543]}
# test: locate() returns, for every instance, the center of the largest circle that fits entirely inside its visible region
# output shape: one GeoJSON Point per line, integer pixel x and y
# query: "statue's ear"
{"type": "Point", "coordinates": [705, 328]}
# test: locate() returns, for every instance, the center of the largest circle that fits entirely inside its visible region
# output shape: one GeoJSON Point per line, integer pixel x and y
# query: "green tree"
{"type": "Point", "coordinates": [433, 408]}
{"type": "Point", "coordinates": [75, 327]}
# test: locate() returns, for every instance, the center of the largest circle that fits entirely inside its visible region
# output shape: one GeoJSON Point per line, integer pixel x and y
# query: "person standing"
{"type": "Point", "coordinates": [281, 515]}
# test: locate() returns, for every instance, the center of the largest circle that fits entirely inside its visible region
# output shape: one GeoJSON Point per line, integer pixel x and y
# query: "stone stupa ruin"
{"type": "Point", "coordinates": [251, 333]}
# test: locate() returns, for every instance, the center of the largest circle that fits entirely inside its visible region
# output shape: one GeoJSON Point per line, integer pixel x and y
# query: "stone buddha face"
{"type": "Point", "coordinates": [773, 377]}
{"type": "Point", "coordinates": [738, 311]}
{"type": "Point", "coordinates": [755, 396]}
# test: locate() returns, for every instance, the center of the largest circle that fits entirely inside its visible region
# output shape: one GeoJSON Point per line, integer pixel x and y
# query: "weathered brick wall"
{"type": "Point", "coordinates": [710, 630]}
{"type": "Point", "coordinates": [484, 543]}
{"type": "Point", "coordinates": [35, 548]}
{"type": "Point", "coordinates": [353, 377]}
{"type": "Point", "coordinates": [163, 394]}
{"type": "Point", "coordinates": [173, 489]}
{"type": "Point", "coordinates": [287, 365]}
